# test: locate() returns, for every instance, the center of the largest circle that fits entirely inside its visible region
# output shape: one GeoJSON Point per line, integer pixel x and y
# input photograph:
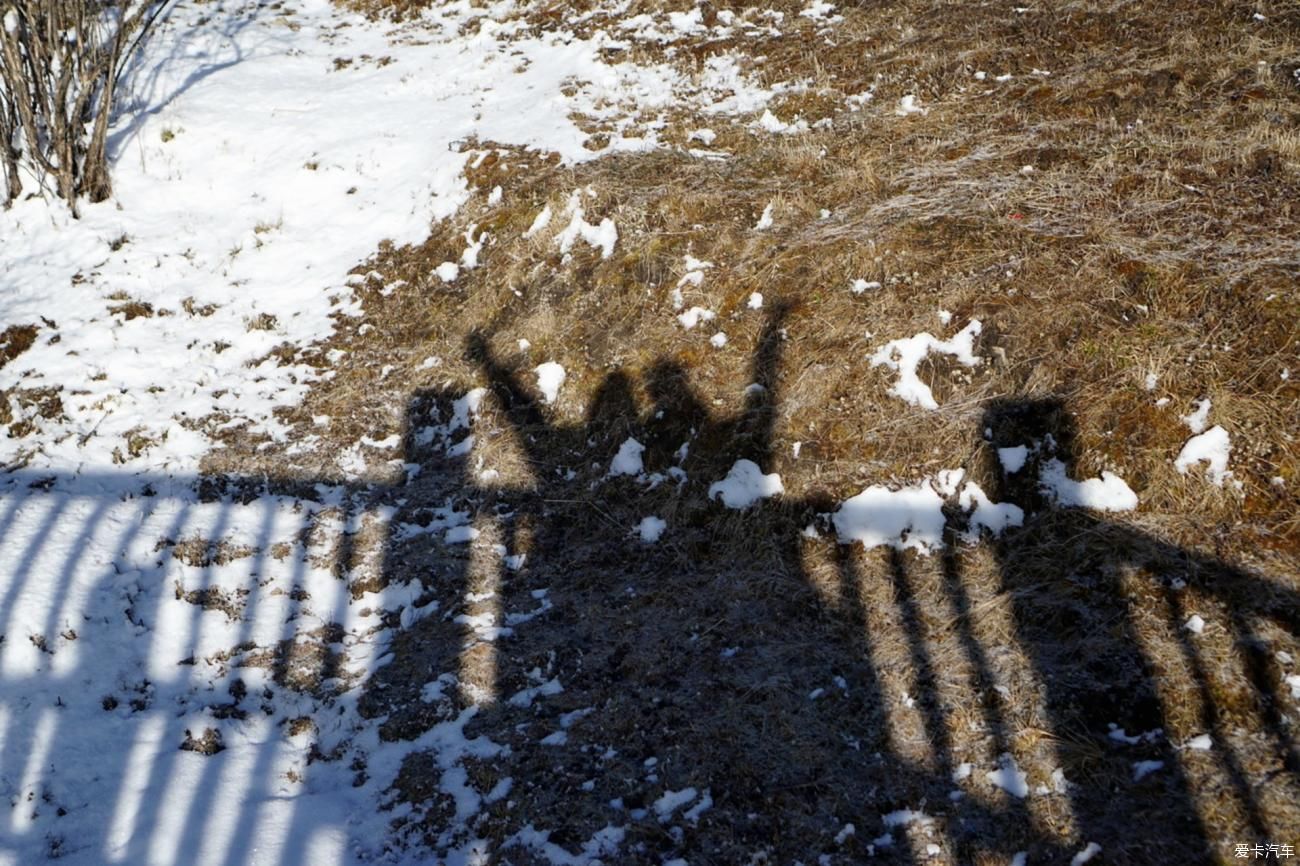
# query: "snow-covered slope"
{"type": "Point", "coordinates": [262, 154]}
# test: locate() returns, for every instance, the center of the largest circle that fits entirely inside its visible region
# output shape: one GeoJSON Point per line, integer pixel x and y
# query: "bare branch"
{"type": "Point", "coordinates": [60, 63]}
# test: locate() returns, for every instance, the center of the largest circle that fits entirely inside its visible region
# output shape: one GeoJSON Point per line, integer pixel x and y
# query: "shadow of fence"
{"type": "Point", "coordinates": [231, 671]}
{"type": "Point", "coordinates": [158, 653]}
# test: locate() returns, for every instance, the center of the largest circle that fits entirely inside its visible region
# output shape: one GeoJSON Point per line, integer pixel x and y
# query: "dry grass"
{"type": "Point", "coordinates": [1132, 213]}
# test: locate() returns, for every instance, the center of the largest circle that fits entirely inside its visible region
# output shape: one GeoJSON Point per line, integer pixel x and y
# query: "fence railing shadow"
{"type": "Point", "coordinates": [156, 650]}
{"type": "Point", "coordinates": [193, 669]}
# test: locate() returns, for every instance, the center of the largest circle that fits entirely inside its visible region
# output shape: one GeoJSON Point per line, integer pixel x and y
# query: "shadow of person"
{"type": "Point", "coordinates": [695, 695]}
{"type": "Point", "coordinates": [720, 693]}
{"type": "Point", "coordinates": [1100, 608]}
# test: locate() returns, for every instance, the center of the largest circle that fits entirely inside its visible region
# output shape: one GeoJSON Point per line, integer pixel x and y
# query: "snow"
{"type": "Point", "coordinates": [1119, 735]}
{"type": "Point", "coordinates": [1107, 493]}
{"type": "Point", "coordinates": [909, 105]}
{"type": "Point", "coordinates": [1201, 743]}
{"type": "Point", "coordinates": [765, 220]}
{"type": "Point", "coordinates": [651, 529]}
{"type": "Point", "coordinates": [628, 459]}
{"type": "Point", "coordinates": [1213, 447]}
{"type": "Point", "coordinates": [687, 23]}
{"type": "Point", "coordinates": [1196, 421]}
{"type": "Point", "coordinates": [550, 378]}
{"type": "Point", "coordinates": [745, 485]}
{"type": "Point", "coordinates": [602, 236]}
{"type": "Point", "coordinates": [859, 286]}
{"type": "Point", "coordinates": [250, 177]}
{"type": "Point", "coordinates": [671, 801]}
{"type": "Point", "coordinates": [1092, 849]}
{"type": "Point", "coordinates": [718, 340]}
{"type": "Point", "coordinates": [996, 517]}
{"type": "Point", "coordinates": [769, 122]}
{"type": "Point", "coordinates": [461, 535]}
{"type": "Point", "coordinates": [469, 258]}
{"type": "Point", "coordinates": [694, 316]}
{"type": "Point", "coordinates": [905, 356]}
{"type": "Point", "coordinates": [433, 691]}
{"type": "Point", "coordinates": [118, 625]}
{"type": "Point", "coordinates": [603, 844]}
{"type": "Point", "coordinates": [906, 818]}
{"type": "Point", "coordinates": [819, 10]}
{"type": "Point", "coordinates": [540, 222]}
{"type": "Point", "coordinates": [911, 517]}
{"type": "Point", "coordinates": [447, 272]}
{"type": "Point", "coordinates": [755, 301]}
{"type": "Point", "coordinates": [1142, 769]}
{"type": "Point", "coordinates": [1009, 777]}
{"type": "Point", "coordinates": [1013, 459]}
{"type": "Point", "coordinates": [1194, 624]}
{"type": "Point", "coordinates": [525, 697]}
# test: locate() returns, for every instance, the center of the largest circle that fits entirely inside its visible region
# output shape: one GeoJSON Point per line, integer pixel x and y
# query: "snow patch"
{"type": "Point", "coordinates": [1142, 769]}
{"type": "Point", "coordinates": [905, 356]}
{"type": "Point", "coordinates": [911, 517]}
{"type": "Point", "coordinates": [671, 801]}
{"type": "Point", "coordinates": [540, 222]}
{"type": "Point", "coordinates": [745, 484]}
{"type": "Point", "coordinates": [1009, 777]}
{"type": "Point", "coordinates": [1092, 849]}
{"type": "Point", "coordinates": [628, 459]}
{"type": "Point", "coordinates": [1107, 493]}
{"type": "Point", "coordinates": [1013, 459]}
{"type": "Point", "coordinates": [550, 378]}
{"type": "Point", "coordinates": [602, 236]}
{"type": "Point", "coordinates": [1213, 447]}
{"type": "Point", "coordinates": [910, 105]}
{"type": "Point", "coordinates": [651, 529]}
{"type": "Point", "coordinates": [694, 316]}
{"type": "Point", "coordinates": [1197, 419]}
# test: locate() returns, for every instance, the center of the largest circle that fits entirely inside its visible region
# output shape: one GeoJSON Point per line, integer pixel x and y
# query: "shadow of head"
{"type": "Point", "coordinates": [613, 409]}
{"type": "Point", "coordinates": [1045, 429]}
{"type": "Point", "coordinates": [675, 414]}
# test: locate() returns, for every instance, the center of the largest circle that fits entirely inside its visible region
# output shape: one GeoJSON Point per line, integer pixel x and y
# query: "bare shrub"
{"type": "Point", "coordinates": [60, 61]}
